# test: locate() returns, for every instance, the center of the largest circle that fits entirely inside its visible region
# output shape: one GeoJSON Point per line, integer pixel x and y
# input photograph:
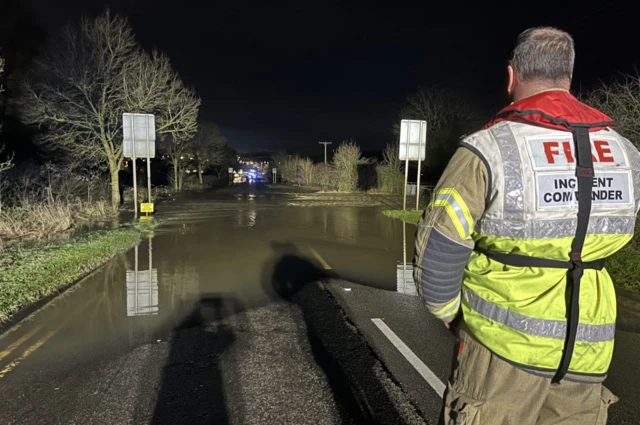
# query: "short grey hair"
{"type": "Point", "coordinates": [543, 53]}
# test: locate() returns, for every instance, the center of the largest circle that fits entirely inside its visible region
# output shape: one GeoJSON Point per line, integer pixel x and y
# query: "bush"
{"type": "Point", "coordinates": [390, 180]}
{"type": "Point", "coordinates": [390, 173]}
{"type": "Point", "coordinates": [345, 165]}
{"type": "Point", "coordinates": [35, 220]}
{"type": "Point", "coordinates": [323, 176]}
{"type": "Point", "coordinates": [41, 201]}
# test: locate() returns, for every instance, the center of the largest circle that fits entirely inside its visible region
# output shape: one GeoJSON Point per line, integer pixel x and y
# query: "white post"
{"type": "Point", "coordinates": [419, 163]}
{"type": "Point", "coordinates": [404, 226]}
{"type": "Point", "coordinates": [406, 180]}
{"type": "Point", "coordinates": [325, 150]}
{"type": "Point", "coordinates": [146, 120]}
{"type": "Point", "coordinates": [135, 178]}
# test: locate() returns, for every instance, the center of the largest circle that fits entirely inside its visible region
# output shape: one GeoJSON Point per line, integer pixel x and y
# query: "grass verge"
{"type": "Point", "coordinates": [411, 217]}
{"type": "Point", "coordinates": [624, 268]}
{"type": "Point", "coordinates": [29, 274]}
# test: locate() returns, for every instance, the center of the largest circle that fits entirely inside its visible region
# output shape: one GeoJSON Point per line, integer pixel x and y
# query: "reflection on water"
{"type": "Point", "coordinates": [404, 281]}
{"type": "Point", "coordinates": [142, 292]}
{"type": "Point", "coordinates": [142, 287]}
{"type": "Point", "coordinates": [346, 224]}
{"type": "Point", "coordinates": [180, 285]}
{"type": "Point", "coordinates": [246, 218]}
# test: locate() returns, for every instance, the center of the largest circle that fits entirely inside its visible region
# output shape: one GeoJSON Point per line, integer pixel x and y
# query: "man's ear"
{"type": "Point", "coordinates": [511, 85]}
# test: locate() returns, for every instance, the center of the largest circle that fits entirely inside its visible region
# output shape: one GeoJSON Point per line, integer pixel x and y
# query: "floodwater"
{"type": "Point", "coordinates": [225, 243]}
{"type": "Point", "coordinates": [215, 272]}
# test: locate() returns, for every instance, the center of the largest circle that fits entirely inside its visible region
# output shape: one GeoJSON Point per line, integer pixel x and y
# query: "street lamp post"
{"type": "Point", "coordinates": [325, 150]}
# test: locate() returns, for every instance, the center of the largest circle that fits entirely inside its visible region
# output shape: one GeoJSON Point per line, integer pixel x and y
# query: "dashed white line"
{"type": "Point", "coordinates": [435, 382]}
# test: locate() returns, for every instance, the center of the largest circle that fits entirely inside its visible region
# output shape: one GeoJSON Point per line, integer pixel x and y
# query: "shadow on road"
{"type": "Point", "coordinates": [345, 358]}
{"type": "Point", "coordinates": [192, 383]}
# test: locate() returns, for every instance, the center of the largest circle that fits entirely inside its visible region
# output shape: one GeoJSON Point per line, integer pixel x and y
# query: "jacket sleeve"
{"type": "Point", "coordinates": [443, 242]}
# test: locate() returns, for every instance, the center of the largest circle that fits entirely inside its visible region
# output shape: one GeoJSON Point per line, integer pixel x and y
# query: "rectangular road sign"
{"type": "Point", "coordinates": [413, 140]}
{"type": "Point", "coordinates": [139, 127]}
{"type": "Point", "coordinates": [146, 207]}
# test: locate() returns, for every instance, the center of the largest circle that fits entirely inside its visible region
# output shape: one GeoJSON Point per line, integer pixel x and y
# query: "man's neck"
{"type": "Point", "coordinates": [532, 89]}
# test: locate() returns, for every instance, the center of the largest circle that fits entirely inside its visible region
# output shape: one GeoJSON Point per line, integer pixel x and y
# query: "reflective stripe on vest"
{"type": "Point", "coordinates": [537, 327]}
{"type": "Point", "coordinates": [542, 229]}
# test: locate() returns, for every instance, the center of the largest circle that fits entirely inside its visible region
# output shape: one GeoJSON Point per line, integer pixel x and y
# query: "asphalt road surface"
{"type": "Point", "coordinates": [250, 305]}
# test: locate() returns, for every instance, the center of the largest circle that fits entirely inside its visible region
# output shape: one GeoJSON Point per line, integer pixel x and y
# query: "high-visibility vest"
{"type": "Point", "coordinates": [535, 291]}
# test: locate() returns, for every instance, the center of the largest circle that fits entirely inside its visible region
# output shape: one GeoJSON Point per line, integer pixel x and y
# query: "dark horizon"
{"type": "Point", "coordinates": [284, 77]}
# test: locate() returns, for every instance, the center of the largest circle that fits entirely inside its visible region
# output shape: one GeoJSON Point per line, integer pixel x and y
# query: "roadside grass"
{"type": "Point", "coordinates": [43, 220]}
{"type": "Point", "coordinates": [29, 274]}
{"type": "Point", "coordinates": [624, 268]}
{"type": "Point", "coordinates": [411, 217]}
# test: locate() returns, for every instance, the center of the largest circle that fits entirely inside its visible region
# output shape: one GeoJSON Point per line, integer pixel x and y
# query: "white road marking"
{"type": "Point", "coordinates": [323, 263]}
{"type": "Point", "coordinates": [422, 368]}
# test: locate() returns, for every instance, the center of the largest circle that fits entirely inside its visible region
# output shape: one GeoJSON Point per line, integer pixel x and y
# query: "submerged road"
{"type": "Point", "coordinates": [250, 305]}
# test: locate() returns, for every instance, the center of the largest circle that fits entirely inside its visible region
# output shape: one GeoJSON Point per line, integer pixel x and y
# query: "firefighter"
{"type": "Point", "coordinates": [510, 252]}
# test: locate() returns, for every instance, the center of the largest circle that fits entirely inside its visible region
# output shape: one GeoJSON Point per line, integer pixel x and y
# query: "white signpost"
{"type": "Point", "coordinates": [413, 147]}
{"type": "Point", "coordinates": [275, 175]}
{"type": "Point", "coordinates": [139, 141]}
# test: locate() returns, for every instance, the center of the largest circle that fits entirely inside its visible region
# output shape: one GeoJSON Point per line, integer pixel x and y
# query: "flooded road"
{"type": "Point", "coordinates": [215, 318]}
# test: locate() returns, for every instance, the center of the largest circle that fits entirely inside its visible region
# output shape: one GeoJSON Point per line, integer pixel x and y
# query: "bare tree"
{"type": "Point", "coordinates": [178, 152]}
{"type": "Point", "coordinates": [7, 163]}
{"type": "Point", "coordinates": [75, 92]}
{"type": "Point", "coordinates": [87, 77]}
{"type": "Point", "coordinates": [223, 156]}
{"type": "Point", "coordinates": [448, 115]}
{"type": "Point", "coordinates": [1, 88]}
{"type": "Point", "coordinates": [205, 147]}
{"type": "Point", "coordinates": [152, 86]}
{"type": "Point", "coordinates": [620, 100]}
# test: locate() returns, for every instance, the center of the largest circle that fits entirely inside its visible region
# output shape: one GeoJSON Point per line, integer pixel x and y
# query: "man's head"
{"type": "Point", "coordinates": [542, 59]}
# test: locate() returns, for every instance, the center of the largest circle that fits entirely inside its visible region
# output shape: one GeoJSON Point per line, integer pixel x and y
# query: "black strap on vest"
{"type": "Point", "coordinates": [516, 260]}
{"type": "Point", "coordinates": [575, 265]}
{"type": "Point", "coordinates": [584, 174]}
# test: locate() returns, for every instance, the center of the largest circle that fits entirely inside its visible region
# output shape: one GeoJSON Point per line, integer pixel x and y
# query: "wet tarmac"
{"type": "Point", "coordinates": [218, 317]}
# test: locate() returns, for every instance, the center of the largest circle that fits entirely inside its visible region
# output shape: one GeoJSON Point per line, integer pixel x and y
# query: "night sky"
{"type": "Point", "coordinates": [287, 75]}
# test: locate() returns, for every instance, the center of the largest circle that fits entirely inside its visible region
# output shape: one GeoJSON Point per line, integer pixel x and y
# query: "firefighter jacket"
{"type": "Point", "coordinates": [517, 231]}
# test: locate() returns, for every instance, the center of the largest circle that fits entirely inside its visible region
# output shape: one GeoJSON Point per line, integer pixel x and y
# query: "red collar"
{"type": "Point", "coordinates": [553, 109]}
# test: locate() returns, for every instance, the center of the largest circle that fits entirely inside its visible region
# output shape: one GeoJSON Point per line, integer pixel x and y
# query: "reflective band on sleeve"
{"type": "Point", "coordinates": [512, 163]}
{"type": "Point", "coordinates": [634, 158]}
{"type": "Point", "coordinates": [550, 229]}
{"type": "Point", "coordinates": [448, 309]}
{"type": "Point", "coordinates": [456, 208]}
{"type": "Point", "coordinates": [537, 327]}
